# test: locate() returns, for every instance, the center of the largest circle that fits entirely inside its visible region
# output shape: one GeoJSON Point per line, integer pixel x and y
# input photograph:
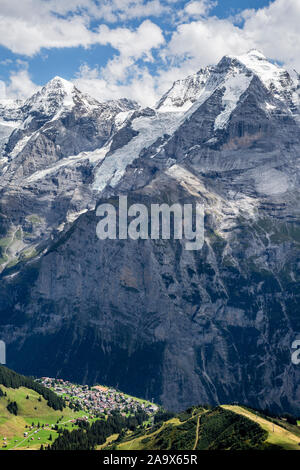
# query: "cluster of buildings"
{"type": "Point", "coordinates": [98, 399]}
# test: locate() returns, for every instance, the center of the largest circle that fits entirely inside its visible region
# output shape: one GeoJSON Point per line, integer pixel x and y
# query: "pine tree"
{"type": "Point", "coordinates": [12, 407]}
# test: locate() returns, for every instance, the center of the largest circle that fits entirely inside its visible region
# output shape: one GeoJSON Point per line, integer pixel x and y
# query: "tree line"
{"type": "Point", "coordinates": [11, 379]}
{"type": "Point", "coordinates": [88, 436]}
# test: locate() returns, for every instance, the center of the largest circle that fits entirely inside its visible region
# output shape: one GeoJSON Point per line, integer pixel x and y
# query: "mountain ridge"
{"type": "Point", "coordinates": [211, 326]}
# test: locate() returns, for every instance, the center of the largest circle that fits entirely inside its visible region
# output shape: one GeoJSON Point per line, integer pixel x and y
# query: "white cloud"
{"type": "Point", "coordinates": [129, 9]}
{"type": "Point", "coordinates": [141, 88]}
{"type": "Point", "coordinates": [27, 26]}
{"type": "Point", "coordinates": [2, 90]}
{"type": "Point", "coordinates": [131, 46]}
{"type": "Point", "coordinates": [198, 8]}
{"type": "Point", "coordinates": [122, 76]}
{"type": "Point", "coordinates": [275, 29]}
{"type": "Point", "coordinates": [132, 43]}
{"type": "Point", "coordinates": [200, 43]}
{"type": "Point", "coordinates": [197, 39]}
{"type": "Point", "coordinates": [20, 85]}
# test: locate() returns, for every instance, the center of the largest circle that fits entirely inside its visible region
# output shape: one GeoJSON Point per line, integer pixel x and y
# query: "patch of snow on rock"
{"type": "Point", "coordinates": [235, 86]}
{"type": "Point", "coordinates": [19, 146]}
{"type": "Point", "coordinates": [272, 76]}
{"type": "Point", "coordinates": [149, 130]}
{"type": "Point", "coordinates": [94, 157]}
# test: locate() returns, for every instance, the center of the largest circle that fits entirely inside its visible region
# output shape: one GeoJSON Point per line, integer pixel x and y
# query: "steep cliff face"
{"type": "Point", "coordinates": [183, 327]}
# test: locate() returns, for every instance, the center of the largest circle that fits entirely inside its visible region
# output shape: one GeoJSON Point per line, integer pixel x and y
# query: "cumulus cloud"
{"type": "Point", "coordinates": [275, 29]}
{"type": "Point", "coordinates": [204, 42]}
{"type": "Point", "coordinates": [20, 85]}
{"type": "Point", "coordinates": [199, 8]}
{"type": "Point", "coordinates": [30, 25]}
{"type": "Point", "coordinates": [122, 10]}
{"type": "Point", "coordinates": [196, 43]}
{"type": "Point", "coordinates": [133, 43]}
{"type": "Point", "coordinates": [2, 90]}
{"type": "Point", "coordinates": [122, 75]}
{"type": "Point", "coordinates": [141, 87]}
{"type": "Point", "coordinates": [193, 40]}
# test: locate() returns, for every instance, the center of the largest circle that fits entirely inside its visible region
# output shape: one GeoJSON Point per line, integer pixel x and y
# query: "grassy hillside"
{"type": "Point", "coordinates": [32, 409]}
{"type": "Point", "coordinates": [222, 428]}
{"type": "Point", "coordinates": [12, 379]}
{"type": "Point", "coordinates": [277, 435]}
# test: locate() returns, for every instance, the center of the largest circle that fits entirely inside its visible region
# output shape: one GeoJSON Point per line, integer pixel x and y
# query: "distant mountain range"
{"type": "Point", "coordinates": [210, 326]}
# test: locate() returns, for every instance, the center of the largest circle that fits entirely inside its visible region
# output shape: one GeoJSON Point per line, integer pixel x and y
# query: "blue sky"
{"type": "Point", "coordinates": [137, 48]}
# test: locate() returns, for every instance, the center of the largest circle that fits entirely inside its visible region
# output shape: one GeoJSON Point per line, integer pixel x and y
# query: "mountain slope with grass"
{"type": "Point", "coordinates": [12, 379]}
{"type": "Point", "coordinates": [33, 417]}
{"type": "Point", "coordinates": [279, 433]}
{"type": "Point", "coordinates": [30, 414]}
{"type": "Point", "coordinates": [221, 428]}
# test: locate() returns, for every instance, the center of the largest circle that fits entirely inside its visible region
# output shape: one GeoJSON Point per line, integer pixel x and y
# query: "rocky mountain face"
{"type": "Point", "coordinates": [10, 118]}
{"type": "Point", "coordinates": [184, 92]}
{"type": "Point", "coordinates": [182, 327]}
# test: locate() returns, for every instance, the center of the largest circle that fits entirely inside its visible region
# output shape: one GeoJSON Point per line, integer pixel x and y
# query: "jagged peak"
{"type": "Point", "coordinates": [59, 83]}
{"type": "Point", "coordinates": [273, 76]}
{"type": "Point", "coordinates": [183, 92]}
{"type": "Point", "coordinates": [58, 93]}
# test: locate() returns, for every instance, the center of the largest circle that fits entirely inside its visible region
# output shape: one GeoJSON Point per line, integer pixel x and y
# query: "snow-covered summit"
{"type": "Point", "coordinates": [60, 121]}
{"type": "Point", "coordinates": [55, 95]}
{"type": "Point", "coordinates": [184, 92]}
{"type": "Point", "coordinates": [232, 76]}
{"type": "Point", "coordinates": [274, 77]}
{"type": "Point", "coordinates": [231, 71]}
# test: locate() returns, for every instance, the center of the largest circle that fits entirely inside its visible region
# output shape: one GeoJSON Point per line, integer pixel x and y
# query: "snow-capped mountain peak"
{"type": "Point", "coordinates": [60, 82]}
{"type": "Point", "coordinates": [274, 77]}
{"type": "Point", "coordinates": [184, 93]}
{"type": "Point", "coordinates": [57, 93]}
{"type": "Point", "coordinates": [59, 107]}
{"type": "Point", "coordinates": [232, 76]}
